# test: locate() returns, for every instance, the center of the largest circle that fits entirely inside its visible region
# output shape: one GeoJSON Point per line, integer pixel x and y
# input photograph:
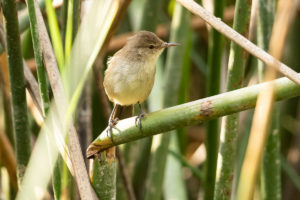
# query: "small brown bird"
{"type": "Point", "coordinates": [130, 75]}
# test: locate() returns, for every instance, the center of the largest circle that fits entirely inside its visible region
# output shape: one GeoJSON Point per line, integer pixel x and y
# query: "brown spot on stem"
{"type": "Point", "coordinates": [205, 110]}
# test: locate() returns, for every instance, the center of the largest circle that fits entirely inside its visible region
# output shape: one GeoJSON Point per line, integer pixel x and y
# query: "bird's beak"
{"type": "Point", "coordinates": [171, 44]}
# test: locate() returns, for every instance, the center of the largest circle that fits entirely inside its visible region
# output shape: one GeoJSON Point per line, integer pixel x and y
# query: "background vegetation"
{"type": "Point", "coordinates": [242, 144]}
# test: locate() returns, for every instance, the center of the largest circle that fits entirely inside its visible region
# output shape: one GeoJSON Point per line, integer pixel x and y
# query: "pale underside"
{"type": "Point", "coordinates": [129, 81]}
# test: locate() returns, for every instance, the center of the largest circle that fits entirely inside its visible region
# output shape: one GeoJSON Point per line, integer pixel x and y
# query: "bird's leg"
{"type": "Point", "coordinates": [138, 119]}
{"type": "Point", "coordinates": [111, 123]}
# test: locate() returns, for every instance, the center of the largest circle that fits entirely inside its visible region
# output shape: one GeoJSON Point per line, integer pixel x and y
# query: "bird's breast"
{"type": "Point", "coordinates": [130, 82]}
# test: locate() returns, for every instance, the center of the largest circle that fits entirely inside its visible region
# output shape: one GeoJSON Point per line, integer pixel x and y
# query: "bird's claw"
{"type": "Point", "coordinates": [138, 120]}
{"type": "Point", "coordinates": [111, 124]}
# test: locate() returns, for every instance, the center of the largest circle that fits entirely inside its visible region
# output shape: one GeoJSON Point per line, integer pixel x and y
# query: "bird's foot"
{"type": "Point", "coordinates": [138, 120]}
{"type": "Point", "coordinates": [111, 124]}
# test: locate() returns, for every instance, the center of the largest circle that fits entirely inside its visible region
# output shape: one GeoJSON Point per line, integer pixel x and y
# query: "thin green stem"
{"type": "Point", "coordinates": [270, 172]}
{"type": "Point", "coordinates": [213, 87]}
{"type": "Point", "coordinates": [69, 30]}
{"type": "Point", "coordinates": [271, 167]}
{"type": "Point", "coordinates": [60, 97]}
{"type": "Point", "coordinates": [174, 63]}
{"type": "Point", "coordinates": [24, 21]}
{"type": "Point", "coordinates": [42, 77]}
{"type": "Point", "coordinates": [56, 178]}
{"type": "Point", "coordinates": [174, 186]}
{"type": "Point", "coordinates": [191, 113]}
{"type": "Point", "coordinates": [149, 18]}
{"type": "Point", "coordinates": [55, 34]}
{"type": "Point", "coordinates": [266, 12]}
{"type": "Point", "coordinates": [229, 131]}
{"type": "Point", "coordinates": [17, 86]}
{"type": "Point", "coordinates": [141, 164]}
{"type": "Point", "coordinates": [43, 86]}
{"type": "Point", "coordinates": [185, 85]}
{"type": "Point", "coordinates": [76, 14]}
{"type": "Point", "coordinates": [63, 20]}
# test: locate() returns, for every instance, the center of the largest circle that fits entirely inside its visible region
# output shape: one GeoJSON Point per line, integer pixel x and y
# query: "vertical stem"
{"type": "Point", "coordinates": [185, 85]}
{"type": "Point", "coordinates": [104, 176]}
{"type": "Point", "coordinates": [41, 73]}
{"type": "Point", "coordinates": [83, 183]}
{"type": "Point", "coordinates": [69, 30]}
{"type": "Point", "coordinates": [266, 12]}
{"type": "Point", "coordinates": [43, 86]}
{"type": "Point", "coordinates": [263, 110]}
{"type": "Point", "coordinates": [213, 87]}
{"type": "Point", "coordinates": [17, 85]}
{"type": "Point", "coordinates": [270, 174]}
{"type": "Point", "coordinates": [56, 178]}
{"type": "Point", "coordinates": [55, 34]}
{"type": "Point", "coordinates": [149, 17]}
{"type": "Point", "coordinates": [148, 22]}
{"type": "Point", "coordinates": [63, 15]}
{"type": "Point", "coordinates": [76, 14]}
{"type": "Point", "coordinates": [174, 186]}
{"type": "Point", "coordinates": [174, 63]}
{"type": "Point", "coordinates": [229, 131]}
{"type": "Point", "coordinates": [24, 22]}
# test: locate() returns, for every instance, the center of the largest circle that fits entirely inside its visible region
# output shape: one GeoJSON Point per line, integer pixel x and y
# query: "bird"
{"type": "Point", "coordinates": [129, 77]}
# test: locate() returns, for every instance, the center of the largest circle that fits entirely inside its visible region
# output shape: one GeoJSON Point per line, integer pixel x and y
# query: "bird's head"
{"type": "Point", "coordinates": [148, 44]}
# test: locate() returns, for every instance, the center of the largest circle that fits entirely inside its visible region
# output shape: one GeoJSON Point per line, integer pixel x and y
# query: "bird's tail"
{"type": "Point", "coordinates": [122, 112]}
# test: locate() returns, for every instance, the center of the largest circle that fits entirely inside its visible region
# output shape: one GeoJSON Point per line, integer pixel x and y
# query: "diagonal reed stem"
{"type": "Point", "coordinates": [240, 40]}
{"type": "Point", "coordinates": [191, 113]}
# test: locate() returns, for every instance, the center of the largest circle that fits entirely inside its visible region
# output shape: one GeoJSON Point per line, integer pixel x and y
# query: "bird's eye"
{"type": "Point", "coordinates": [151, 46]}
